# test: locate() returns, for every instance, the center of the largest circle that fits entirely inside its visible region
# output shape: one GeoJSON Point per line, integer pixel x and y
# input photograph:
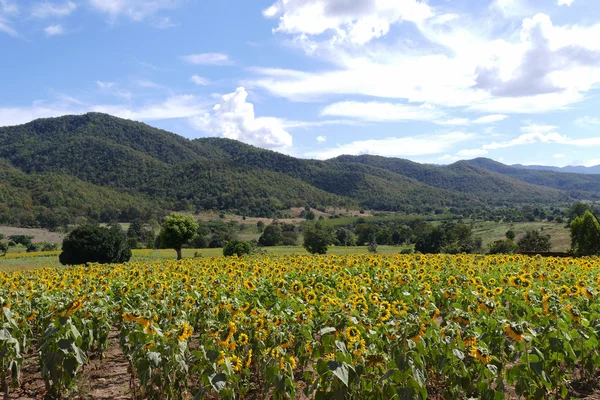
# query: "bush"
{"type": "Point", "coordinates": [237, 247]}
{"type": "Point", "coordinates": [503, 247]}
{"type": "Point", "coordinates": [87, 244]}
{"type": "Point", "coordinates": [535, 241]}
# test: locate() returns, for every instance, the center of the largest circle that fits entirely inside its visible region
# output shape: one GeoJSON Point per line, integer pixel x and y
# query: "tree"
{"type": "Point", "coordinates": [430, 242]}
{"type": "Point", "coordinates": [510, 234]}
{"type": "Point", "coordinates": [534, 241]}
{"type": "Point", "coordinates": [177, 230]}
{"type": "Point", "coordinates": [272, 235]}
{"type": "Point", "coordinates": [87, 244]}
{"type": "Point", "coordinates": [237, 247]}
{"type": "Point", "coordinates": [585, 235]}
{"type": "Point", "coordinates": [345, 237]}
{"type": "Point", "coordinates": [3, 248]}
{"type": "Point", "coordinates": [577, 210]}
{"type": "Point", "coordinates": [316, 240]}
{"type": "Point", "coordinates": [260, 226]}
{"type": "Point", "coordinates": [503, 247]}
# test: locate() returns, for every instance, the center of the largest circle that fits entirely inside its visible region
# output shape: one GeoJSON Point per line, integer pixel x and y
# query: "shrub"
{"type": "Point", "coordinates": [503, 247]}
{"type": "Point", "coordinates": [535, 241]}
{"type": "Point", "coordinates": [237, 247]}
{"type": "Point", "coordinates": [94, 244]}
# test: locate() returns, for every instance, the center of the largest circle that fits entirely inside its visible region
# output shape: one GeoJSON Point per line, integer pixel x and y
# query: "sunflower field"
{"type": "Point", "coordinates": [318, 327]}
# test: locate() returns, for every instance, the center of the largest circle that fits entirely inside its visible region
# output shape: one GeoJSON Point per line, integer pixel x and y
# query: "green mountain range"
{"type": "Point", "coordinates": [54, 171]}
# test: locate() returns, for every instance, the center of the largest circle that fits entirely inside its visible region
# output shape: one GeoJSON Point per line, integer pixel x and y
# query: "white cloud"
{"type": "Point", "coordinates": [164, 23]}
{"type": "Point", "coordinates": [472, 153]}
{"type": "Point", "coordinates": [198, 80]}
{"type": "Point", "coordinates": [565, 2]}
{"type": "Point", "coordinates": [54, 30]}
{"type": "Point", "coordinates": [321, 139]}
{"type": "Point", "coordinates": [356, 22]}
{"type": "Point", "coordinates": [396, 146]}
{"type": "Point", "coordinates": [454, 122]}
{"type": "Point", "coordinates": [207, 59]}
{"type": "Point", "coordinates": [174, 107]}
{"type": "Point", "coordinates": [511, 8]}
{"type": "Point", "coordinates": [8, 9]}
{"type": "Point", "coordinates": [382, 112]}
{"type": "Point", "coordinates": [136, 10]}
{"type": "Point", "coordinates": [531, 134]}
{"type": "Point", "coordinates": [480, 64]}
{"type": "Point", "coordinates": [490, 119]}
{"type": "Point", "coordinates": [51, 10]}
{"type": "Point", "coordinates": [587, 121]}
{"type": "Point", "coordinates": [559, 156]}
{"type": "Point", "coordinates": [234, 118]}
{"type": "Point", "coordinates": [105, 85]}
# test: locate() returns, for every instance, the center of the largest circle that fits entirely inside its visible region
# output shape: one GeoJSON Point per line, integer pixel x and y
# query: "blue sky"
{"type": "Point", "coordinates": [433, 81]}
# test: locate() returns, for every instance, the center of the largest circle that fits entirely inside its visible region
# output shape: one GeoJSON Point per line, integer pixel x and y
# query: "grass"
{"type": "Point", "coordinates": [50, 259]}
{"type": "Point", "coordinates": [491, 231]}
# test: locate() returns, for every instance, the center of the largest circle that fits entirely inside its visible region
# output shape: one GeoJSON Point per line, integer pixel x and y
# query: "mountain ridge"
{"type": "Point", "coordinates": [147, 171]}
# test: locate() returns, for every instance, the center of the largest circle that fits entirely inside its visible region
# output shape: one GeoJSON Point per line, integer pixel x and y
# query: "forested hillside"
{"type": "Point", "coordinates": [99, 167]}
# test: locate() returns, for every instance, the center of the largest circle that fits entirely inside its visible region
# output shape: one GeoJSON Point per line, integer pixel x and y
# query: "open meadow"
{"type": "Point", "coordinates": [353, 326]}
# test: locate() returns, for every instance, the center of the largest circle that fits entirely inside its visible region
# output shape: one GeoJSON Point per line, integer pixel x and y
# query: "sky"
{"type": "Point", "coordinates": [433, 81]}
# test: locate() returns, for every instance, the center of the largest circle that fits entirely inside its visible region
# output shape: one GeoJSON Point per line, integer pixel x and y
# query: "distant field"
{"type": "Point", "coordinates": [50, 259]}
{"type": "Point", "coordinates": [39, 235]}
{"type": "Point", "coordinates": [491, 231]}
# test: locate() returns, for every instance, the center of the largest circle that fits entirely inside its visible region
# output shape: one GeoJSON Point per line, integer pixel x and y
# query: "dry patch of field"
{"type": "Point", "coordinates": [39, 235]}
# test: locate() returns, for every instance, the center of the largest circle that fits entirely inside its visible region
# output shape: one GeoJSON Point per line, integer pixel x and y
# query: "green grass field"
{"type": "Point", "coordinates": [491, 231]}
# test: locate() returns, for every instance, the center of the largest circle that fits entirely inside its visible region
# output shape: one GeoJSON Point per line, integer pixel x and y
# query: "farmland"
{"type": "Point", "coordinates": [294, 326]}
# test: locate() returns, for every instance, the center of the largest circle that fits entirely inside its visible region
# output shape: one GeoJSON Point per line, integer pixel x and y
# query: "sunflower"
{"type": "Point", "coordinates": [310, 297]}
{"type": "Point", "coordinates": [297, 287]}
{"type": "Point", "coordinates": [514, 331]}
{"type": "Point", "coordinates": [243, 339]}
{"type": "Point", "coordinates": [124, 290]}
{"type": "Point", "coordinates": [482, 354]}
{"type": "Point", "coordinates": [249, 285]}
{"type": "Point", "coordinates": [352, 334]}
{"type": "Point", "coordinates": [236, 363]}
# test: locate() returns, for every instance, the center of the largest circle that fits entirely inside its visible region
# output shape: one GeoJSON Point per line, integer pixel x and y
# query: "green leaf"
{"type": "Point", "coordinates": [218, 381]}
{"type": "Point", "coordinates": [418, 376]}
{"type": "Point", "coordinates": [154, 357]}
{"type": "Point", "coordinates": [458, 354]}
{"type": "Point", "coordinates": [340, 370]}
{"type": "Point", "coordinates": [327, 330]}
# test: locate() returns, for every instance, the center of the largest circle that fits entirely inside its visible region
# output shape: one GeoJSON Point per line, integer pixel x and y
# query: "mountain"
{"type": "Point", "coordinates": [576, 169]}
{"type": "Point", "coordinates": [56, 170]}
{"type": "Point", "coordinates": [579, 186]}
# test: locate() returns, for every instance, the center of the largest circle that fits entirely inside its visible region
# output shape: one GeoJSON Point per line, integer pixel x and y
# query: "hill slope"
{"type": "Point", "coordinates": [102, 167]}
{"type": "Point", "coordinates": [582, 186]}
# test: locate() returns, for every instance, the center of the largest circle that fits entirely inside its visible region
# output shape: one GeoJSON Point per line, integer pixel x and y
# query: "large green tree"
{"type": "Point", "coordinates": [317, 239]}
{"type": "Point", "coordinates": [177, 230]}
{"type": "Point", "coordinates": [585, 235]}
{"type": "Point", "coordinates": [272, 235]}
{"type": "Point", "coordinates": [87, 244]}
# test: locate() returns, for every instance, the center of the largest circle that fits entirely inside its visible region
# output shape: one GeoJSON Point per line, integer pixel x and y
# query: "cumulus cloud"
{"type": "Point", "coordinates": [534, 74]}
{"type": "Point", "coordinates": [207, 59]}
{"type": "Point", "coordinates": [565, 2]}
{"type": "Point", "coordinates": [234, 118]}
{"type": "Point", "coordinates": [357, 22]}
{"type": "Point", "coordinates": [321, 139]}
{"type": "Point", "coordinates": [51, 10]}
{"type": "Point", "coordinates": [136, 10]}
{"type": "Point", "coordinates": [54, 30]}
{"type": "Point", "coordinates": [397, 146]}
{"type": "Point", "coordinates": [198, 80]}
{"type": "Point", "coordinates": [559, 156]}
